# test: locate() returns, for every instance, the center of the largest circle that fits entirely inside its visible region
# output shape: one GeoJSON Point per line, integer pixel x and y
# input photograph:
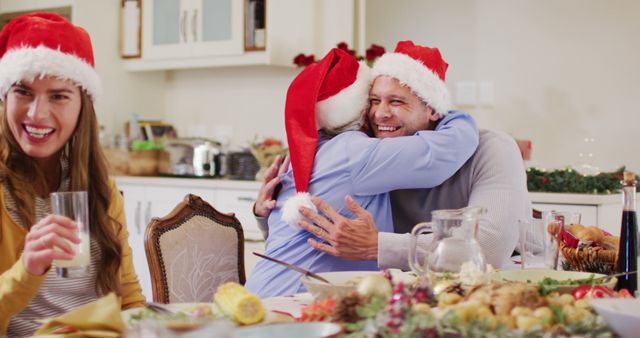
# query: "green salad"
{"type": "Point", "coordinates": [548, 284]}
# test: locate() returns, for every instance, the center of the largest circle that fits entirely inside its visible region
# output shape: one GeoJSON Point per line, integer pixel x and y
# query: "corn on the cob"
{"type": "Point", "coordinates": [235, 301]}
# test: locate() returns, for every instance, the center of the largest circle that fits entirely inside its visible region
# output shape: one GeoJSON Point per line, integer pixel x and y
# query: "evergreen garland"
{"type": "Point", "coordinates": [570, 181]}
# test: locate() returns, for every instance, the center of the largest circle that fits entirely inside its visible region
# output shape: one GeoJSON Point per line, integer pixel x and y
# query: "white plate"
{"type": "Point", "coordinates": [270, 316]}
{"type": "Point", "coordinates": [622, 314]}
{"type": "Point", "coordinates": [177, 324]}
{"type": "Point", "coordinates": [534, 276]}
{"type": "Point", "coordinates": [293, 330]}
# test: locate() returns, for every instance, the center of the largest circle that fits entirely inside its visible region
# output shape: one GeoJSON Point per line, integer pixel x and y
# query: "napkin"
{"type": "Point", "coordinates": [100, 318]}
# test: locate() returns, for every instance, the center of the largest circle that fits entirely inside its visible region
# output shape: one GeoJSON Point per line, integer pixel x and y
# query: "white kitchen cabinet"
{"type": "Point", "coordinates": [191, 28]}
{"type": "Point", "coordinates": [148, 197]}
{"type": "Point", "coordinates": [134, 204]}
{"type": "Point", "coordinates": [180, 34]}
{"type": "Point", "coordinates": [229, 200]}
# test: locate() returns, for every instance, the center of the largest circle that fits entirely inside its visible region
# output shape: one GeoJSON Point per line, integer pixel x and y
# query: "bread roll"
{"type": "Point", "coordinates": [591, 233]}
{"type": "Point", "coordinates": [610, 242]}
{"type": "Point", "coordinates": [574, 228]}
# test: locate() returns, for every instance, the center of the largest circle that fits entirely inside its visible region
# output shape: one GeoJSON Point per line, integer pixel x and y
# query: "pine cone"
{"type": "Point", "coordinates": [346, 310]}
{"type": "Point", "coordinates": [455, 288]}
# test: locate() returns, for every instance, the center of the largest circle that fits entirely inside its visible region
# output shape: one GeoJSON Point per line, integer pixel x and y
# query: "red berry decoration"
{"type": "Point", "coordinates": [422, 292]}
{"type": "Point", "coordinates": [398, 306]}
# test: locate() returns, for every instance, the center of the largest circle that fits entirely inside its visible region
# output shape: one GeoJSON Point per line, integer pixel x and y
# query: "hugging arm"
{"type": "Point", "coordinates": [355, 239]}
{"type": "Point", "coordinates": [498, 183]}
{"type": "Point", "coordinates": [423, 160]}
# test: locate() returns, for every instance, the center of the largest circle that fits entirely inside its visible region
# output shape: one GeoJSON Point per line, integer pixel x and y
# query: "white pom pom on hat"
{"type": "Point", "coordinates": [329, 94]}
{"type": "Point", "coordinates": [290, 209]}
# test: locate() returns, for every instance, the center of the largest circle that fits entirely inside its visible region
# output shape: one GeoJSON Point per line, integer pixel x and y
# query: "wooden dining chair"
{"type": "Point", "coordinates": [193, 250]}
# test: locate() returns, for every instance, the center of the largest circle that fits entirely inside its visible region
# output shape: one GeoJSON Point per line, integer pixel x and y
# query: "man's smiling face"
{"type": "Point", "coordinates": [396, 111]}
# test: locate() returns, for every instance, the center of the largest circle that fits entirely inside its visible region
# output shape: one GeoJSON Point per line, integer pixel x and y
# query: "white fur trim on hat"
{"type": "Point", "coordinates": [27, 64]}
{"type": "Point", "coordinates": [290, 213]}
{"type": "Point", "coordinates": [347, 105]}
{"type": "Point", "coordinates": [414, 74]}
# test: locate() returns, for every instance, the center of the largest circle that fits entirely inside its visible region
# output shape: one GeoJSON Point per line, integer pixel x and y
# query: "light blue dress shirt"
{"type": "Point", "coordinates": [366, 168]}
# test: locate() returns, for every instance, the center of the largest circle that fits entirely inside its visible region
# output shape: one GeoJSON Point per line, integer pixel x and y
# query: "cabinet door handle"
{"type": "Point", "coordinates": [147, 215]}
{"type": "Point", "coordinates": [194, 25]}
{"type": "Point", "coordinates": [246, 199]}
{"type": "Point", "coordinates": [183, 26]}
{"type": "Point", "coordinates": [137, 216]}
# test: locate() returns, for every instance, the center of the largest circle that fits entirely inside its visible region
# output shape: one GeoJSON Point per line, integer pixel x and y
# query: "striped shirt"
{"type": "Point", "coordinates": [57, 295]}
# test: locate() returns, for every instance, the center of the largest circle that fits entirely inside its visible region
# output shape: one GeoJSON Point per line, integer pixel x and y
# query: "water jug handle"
{"type": "Point", "coordinates": [413, 257]}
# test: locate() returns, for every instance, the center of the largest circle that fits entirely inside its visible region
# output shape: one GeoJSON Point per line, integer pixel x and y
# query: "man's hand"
{"type": "Point", "coordinates": [265, 201]}
{"type": "Point", "coordinates": [354, 239]}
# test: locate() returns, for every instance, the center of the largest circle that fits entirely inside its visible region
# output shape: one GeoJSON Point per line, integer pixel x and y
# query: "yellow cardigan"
{"type": "Point", "coordinates": [18, 287]}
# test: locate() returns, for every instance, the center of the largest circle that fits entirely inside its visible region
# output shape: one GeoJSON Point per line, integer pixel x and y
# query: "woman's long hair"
{"type": "Point", "coordinates": [87, 171]}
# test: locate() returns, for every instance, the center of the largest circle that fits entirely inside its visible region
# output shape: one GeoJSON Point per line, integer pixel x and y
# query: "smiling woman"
{"type": "Point", "coordinates": [49, 143]}
{"type": "Point", "coordinates": [42, 114]}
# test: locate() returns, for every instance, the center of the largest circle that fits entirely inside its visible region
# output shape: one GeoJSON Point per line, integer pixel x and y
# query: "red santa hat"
{"type": "Point", "coordinates": [331, 94]}
{"type": "Point", "coordinates": [38, 44]}
{"type": "Point", "coordinates": [420, 68]}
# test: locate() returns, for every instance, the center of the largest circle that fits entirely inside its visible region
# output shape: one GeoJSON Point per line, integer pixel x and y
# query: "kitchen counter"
{"type": "Point", "coordinates": [238, 196]}
{"type": "Point", "coordinates": [195, 182]}
{"type": "Point", "coordinates": [601, 210]}
{"type": "Point", "coordinates": [569, 198]}
{"type": "Point", "coordinates": [223, 183]}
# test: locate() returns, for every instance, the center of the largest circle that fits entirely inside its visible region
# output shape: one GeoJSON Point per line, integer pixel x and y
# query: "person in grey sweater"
{"type": "Point", "coordinates": [494, 177]}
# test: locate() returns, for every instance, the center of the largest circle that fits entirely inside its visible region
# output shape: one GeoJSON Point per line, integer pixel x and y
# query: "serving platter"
{"type": "Point", "coordinates": [567, 280]}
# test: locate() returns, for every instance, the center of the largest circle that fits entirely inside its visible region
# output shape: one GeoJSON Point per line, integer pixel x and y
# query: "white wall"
{"type": "Point", "coordinates": [123, 92]}
{"type": "Point", "coordinates": [249, 100]}
{"type": "Point", "coordinates": [562, 70]}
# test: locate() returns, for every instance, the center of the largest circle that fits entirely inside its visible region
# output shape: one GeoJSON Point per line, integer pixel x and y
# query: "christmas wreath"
{"type": "Point", "coordinates": [570, 181]}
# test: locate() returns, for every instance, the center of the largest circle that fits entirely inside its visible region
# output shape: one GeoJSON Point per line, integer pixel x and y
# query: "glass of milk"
{"type": "Point", "coordinates": [74, 205]}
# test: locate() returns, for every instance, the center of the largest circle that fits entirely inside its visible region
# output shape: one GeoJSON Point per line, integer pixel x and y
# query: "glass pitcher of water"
{"type": "Point", "coordinates": [453, 241]}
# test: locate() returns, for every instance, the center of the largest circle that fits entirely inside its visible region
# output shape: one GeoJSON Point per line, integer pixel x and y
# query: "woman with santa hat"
{"type": "Point", "coordinates": [331, 158]}
{"type": "Point", "coordinates": [49, 143]}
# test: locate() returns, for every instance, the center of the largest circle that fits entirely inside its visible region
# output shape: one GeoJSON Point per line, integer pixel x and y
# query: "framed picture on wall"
{"type": "Point", "coordinates": [130, 29]}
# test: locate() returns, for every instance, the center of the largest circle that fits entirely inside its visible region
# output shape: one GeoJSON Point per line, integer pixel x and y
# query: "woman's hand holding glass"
{"type": "Point", "coordinates": [51, 232]}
